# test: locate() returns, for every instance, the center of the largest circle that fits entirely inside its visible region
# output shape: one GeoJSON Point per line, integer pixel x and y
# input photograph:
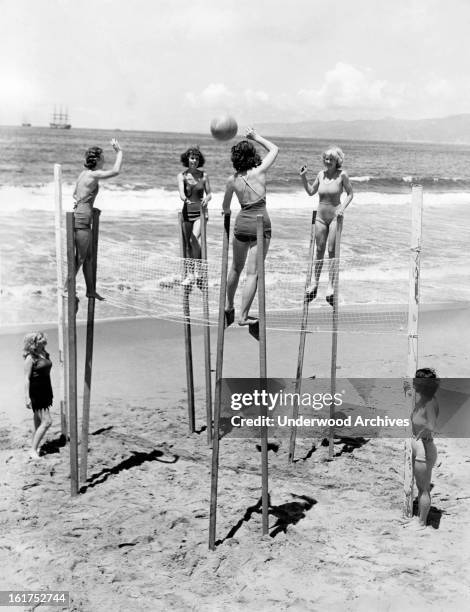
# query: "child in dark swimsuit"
{"type": "Point", "coordinates": [249, 184]}
{"type": "Point", "coordinates": [37, 386]}
{"type": "Point", "coordinates": [424, 452]}
{"type": "Point", "coordinates": [195, 190]}
{"type": "Point", "coordinates": [84, 195]}
{"type": "Point", "coordinates": [330, 184]}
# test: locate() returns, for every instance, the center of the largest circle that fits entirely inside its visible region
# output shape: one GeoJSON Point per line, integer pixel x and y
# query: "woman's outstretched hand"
{"type": "Point", "coordinates": [115, 144]}
{"type": "Point", "coordinates": [303, 170]}
{"type": "Point", "coordinates": [250, 133]}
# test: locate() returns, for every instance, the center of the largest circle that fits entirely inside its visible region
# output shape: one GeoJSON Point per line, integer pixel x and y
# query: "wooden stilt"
{"type": "Point", "coordinates": [207, 329]}
{"type": "Point", "coordinates": [72, 354]}
{"type": "Point", "coordinates": [89, 353]}
{"type": "Point", "coordinates": [303, 329]}
{"type": "Point", "coordinates": [262, 369]}
{"type": "Point", "coordinates": [187, 333]}
{"type": "Point", "coordinates": [60, 295]}
{"type": "Point", "coordinates": [218, 382]}
{"type": "Point", "coordinates": [334, 337]}
{"type": "Point", "coordinates": [413, 314]}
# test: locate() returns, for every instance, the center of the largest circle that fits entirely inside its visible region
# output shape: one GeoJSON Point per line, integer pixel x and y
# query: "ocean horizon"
{"type": "Point", "coordinates": [140, 206]}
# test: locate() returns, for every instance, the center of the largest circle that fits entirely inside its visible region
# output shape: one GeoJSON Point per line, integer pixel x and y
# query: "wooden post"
{"type": "Point", "coordinates": [218, 383]}
{"type": "Point", "coordinates": [334, 338]}
{"type": "Point", "coordinates": [72, 354]}
{"type": "Point", "coordinates": [187, 333]}
{"type": "Point", "coordinates": [207, 329]}
{"type": "Point", "coordinates": [303, 328]}
{"type": "Point", "coordinates": [60, 294]}
{"type": "Point", "coordinates": [262, 369]}
{"type": "Point", "coordinates": [413, 313]}
{"type": "Point", "coordinates": [90, 328]}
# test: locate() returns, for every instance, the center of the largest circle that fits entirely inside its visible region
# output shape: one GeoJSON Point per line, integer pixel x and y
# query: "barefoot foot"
{"type": "Point", "coordinates": [96, 296]}
{"type": "Point", "coordinates": [310, 293]}
{"type": "Point", "coordinates": [248, 321]}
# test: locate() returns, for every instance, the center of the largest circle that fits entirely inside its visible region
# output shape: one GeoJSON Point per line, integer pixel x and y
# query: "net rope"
{"type": "Point", "coordinates": [139, 282]}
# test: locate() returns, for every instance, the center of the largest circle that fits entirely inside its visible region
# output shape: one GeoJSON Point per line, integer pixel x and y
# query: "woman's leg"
{"type": "Point", "coordinates": [249, 290]}
{"type": "Point", "coordinates": [44, 419]}
{"type": "Point", "coordinates": [423, 473]}
{"type": "Point", "coordinates": [195, 242]}
{"type": "Point", "coordinates": [333, 263]}
{"type": "Point", "coordinates": [83, 256]}
{"type": "Point", "coordinates": [321, 236]}
{"type": "Point", "coordinates": [240, 251]}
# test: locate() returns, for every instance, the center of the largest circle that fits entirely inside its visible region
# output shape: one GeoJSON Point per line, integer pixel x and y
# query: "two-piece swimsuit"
{"type": "Point", "coordinates": [83, 210]}
{"type": "Point", "coordinates": [192, 209]}
{"type": "Point", "coordinates": [245, 223]}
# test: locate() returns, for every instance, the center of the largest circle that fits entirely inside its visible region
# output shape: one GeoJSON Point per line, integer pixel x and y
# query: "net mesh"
{"type": "Point", "coordinates": [138, 282]}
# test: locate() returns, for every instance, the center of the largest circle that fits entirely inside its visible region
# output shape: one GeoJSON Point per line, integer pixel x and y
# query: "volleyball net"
{"type": "Point", "coordinates": [139, 282]}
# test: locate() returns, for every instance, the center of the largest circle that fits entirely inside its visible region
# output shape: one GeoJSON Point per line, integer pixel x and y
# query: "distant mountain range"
{"type": "Point", "coordinates": [454, 129]}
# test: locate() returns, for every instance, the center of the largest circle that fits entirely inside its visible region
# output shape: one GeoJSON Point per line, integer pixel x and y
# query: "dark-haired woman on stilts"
{"type": "Point", "coordinates": [84, 195]}
{"type": "Point", "coordinates": [195, 191]}
{"type": "Point", "coordinates": [249, 184]}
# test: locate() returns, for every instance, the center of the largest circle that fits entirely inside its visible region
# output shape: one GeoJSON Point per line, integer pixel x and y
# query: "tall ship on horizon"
{"type": "Point", "coordinates": [60, 120]}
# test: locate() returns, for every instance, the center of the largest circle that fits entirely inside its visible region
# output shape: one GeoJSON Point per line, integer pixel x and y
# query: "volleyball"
{"type": "Point", "coordinates": [224, 127]}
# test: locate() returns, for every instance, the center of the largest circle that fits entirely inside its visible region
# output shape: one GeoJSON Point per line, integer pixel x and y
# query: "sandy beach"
{"type": "Point", "coordinates": [137, 537]}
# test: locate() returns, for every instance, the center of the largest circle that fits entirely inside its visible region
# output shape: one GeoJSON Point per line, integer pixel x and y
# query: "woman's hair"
{"type": "Point", "coordinates": [426, 382]}
{"type": "Point", "coordinates": [31, 343]}
{"type": "Point", "coordinates": [92, 157]}
{"type": "Point", "coordinates": [192, 151]}
{"type": "Point", "coordinates": [245, 156]}
{"type": "Point", "coordinates": [336, 154]}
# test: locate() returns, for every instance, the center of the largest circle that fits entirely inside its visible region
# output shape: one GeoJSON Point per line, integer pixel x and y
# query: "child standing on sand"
{"type": "Point", "coordinates": [37, 386]}
{"type": "Point", "coordinates": [424, 420]}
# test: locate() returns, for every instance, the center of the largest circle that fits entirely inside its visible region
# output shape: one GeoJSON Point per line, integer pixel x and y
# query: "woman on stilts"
{"type": "Point", "coordinates": [195, 191]}
{"type": "Point", "coordinates": [249, 184]}
{"type": "Point", "coordinates": [329, 184]}
{"type": "Point", "coordinates": [86, 190]}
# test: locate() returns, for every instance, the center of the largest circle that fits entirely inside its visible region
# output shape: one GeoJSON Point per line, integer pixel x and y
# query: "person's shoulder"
{"type": "Point", "coordinates": [343, 174]}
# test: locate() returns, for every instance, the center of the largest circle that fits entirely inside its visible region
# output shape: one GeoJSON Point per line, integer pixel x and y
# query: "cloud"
{"type": "Point", "coordinates": [348, 87]}
{"type": "Point", "coordinates": [253, 98]}
{"type": "Point", "coordinates": [215, 94]}
{"type": "Point", "coordinates": [440, 88]}
{"type": "Point", "coordinates": [218, 94]}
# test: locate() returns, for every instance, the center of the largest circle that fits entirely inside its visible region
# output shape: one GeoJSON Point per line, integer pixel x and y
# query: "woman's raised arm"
{"type": "Point", "coordinates": [104, 174]}
{"type": "Point", "coordinates": [271, 148]}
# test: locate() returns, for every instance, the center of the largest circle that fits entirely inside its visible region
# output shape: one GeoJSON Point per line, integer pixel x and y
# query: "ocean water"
{"type": "Point", "coordinates": [139, 212]}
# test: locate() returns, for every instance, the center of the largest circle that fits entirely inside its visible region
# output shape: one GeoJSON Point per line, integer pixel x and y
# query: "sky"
{"type": "Point", "coordinates": [170, 65]}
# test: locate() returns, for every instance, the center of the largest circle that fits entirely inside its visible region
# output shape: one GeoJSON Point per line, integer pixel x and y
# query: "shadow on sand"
{"type": "Point", "coordinates": [137, 458]}
{"type": "Point", "coordinates": [289, 513]}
